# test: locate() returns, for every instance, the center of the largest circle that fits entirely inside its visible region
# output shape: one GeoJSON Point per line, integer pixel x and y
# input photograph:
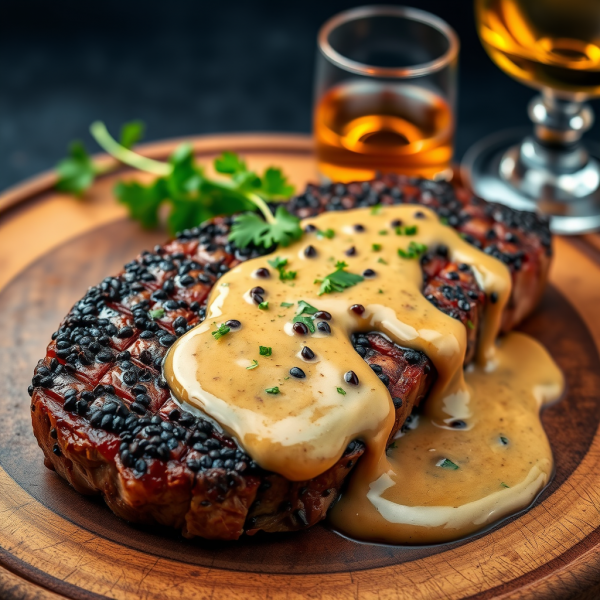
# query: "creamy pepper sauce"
{"type": "Point", "coordinates": [436, 482]}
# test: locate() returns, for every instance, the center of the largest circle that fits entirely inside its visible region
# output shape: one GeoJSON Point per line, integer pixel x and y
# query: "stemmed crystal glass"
{"type": "Point", "coordinates": [553, 46]}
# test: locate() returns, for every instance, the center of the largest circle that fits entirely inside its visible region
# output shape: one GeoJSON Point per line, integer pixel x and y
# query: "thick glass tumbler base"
{"type": "Point", "coordinates": [509, 168]}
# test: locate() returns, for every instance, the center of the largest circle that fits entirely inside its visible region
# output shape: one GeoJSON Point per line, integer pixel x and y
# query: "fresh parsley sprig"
{"type": "Point", "coordinates": [192, 195]}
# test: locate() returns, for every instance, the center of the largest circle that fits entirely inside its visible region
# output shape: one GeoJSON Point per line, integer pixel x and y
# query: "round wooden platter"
{"type": "Point", "coordinates": [55, 543]}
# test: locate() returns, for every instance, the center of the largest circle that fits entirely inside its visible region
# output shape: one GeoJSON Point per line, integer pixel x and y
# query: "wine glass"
{"type": "Point", "coordinates": [385, 89]}
{"type": "Point", "coordinates": [553, 46]}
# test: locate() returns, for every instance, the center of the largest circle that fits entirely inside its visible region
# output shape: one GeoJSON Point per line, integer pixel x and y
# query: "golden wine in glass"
{"type": "Point", "coordinates": [553, 46]}
{"type": "Point", "coordinates": [384, 94]}
{"type": "Point", "coordinates": [544, 43]}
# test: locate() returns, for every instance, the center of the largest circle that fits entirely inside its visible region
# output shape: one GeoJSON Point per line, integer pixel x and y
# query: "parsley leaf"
{"type": "Point", "coordinates": [229, 163]}
{"type": "Point", "coordinates": [272, 390]}
{"type": "Point", "coordinates": [265, 350]}
{"type": "Point", "coordinates": [221, 331]}
{"type": "Point", "coordinates": [307, 320]}
{"type": "Point", "coordinates": [275, 185]}
{"type": "Point", "coordinates": [446, 463]}
{"type": "Point", "coordinates": [415, 249]}
{"type": "Point", "coordinates": [287, 304]}
{"type": "Point", "coordinates": [504, 485]}
{"type": "Point", "coordinates": [306, 308]}
{"type": "Point", "coordinates": [264, 305]}
{"type": "Point", "coordinates": [279, 264]}
{"type": "Point", "coordinates": [304, 314]}
{"type": "Point", "coordinates": [407, 230]}
{"type": "Point", "coordinates": [341, 391]}
{"type": "Point", "coordinates": [250, 228]}
{"type": "Point", "coordinates": [338, 281]}
{"type": "Point", "coordinates": [328, 233]}
{"type": "Point", "coordinates": [142, 201]}
{"type": "Point", "coordinates": [131, 133]}
{"type": "Point", "coordinates": [157, 313]}
{"type": "Point", "coordinates": [252, 366]}
{"type": "Point", "coordinates": [375, 210]}
{"type": "Point", "coordinates": [376, 247]}
{"type": "Point", "coordinates": [77, 172]}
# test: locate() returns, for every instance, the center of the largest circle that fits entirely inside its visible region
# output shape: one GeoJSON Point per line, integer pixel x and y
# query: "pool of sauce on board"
{"type": "Point", "coordinates": [435, 482]}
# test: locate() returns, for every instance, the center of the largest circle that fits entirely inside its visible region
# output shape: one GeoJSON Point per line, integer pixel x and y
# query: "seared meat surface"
{"type": "Point", "coordinates": [103, 415]}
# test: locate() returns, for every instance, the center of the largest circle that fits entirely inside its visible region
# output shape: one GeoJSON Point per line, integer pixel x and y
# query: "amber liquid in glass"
{"type": "Point", "coordinates": [544, 43]}
{"type": "Point", "coordinates": [365, 127]}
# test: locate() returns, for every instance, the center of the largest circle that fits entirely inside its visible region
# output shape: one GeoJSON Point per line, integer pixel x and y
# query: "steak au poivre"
{"type": "Point", "coordinates": [103, 413]}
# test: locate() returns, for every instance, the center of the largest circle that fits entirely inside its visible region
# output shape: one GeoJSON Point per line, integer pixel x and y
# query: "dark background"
{"type": "Point", "coordinates": [193, 67]}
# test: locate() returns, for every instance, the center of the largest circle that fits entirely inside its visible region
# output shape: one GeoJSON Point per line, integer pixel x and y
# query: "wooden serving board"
{"type": "Point", "coordinates": [55, 543]}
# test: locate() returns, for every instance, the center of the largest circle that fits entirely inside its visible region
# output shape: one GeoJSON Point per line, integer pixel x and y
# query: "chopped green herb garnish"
{"type": "Point", "coordinates": [264, 305]}
{"type": "Point", "coordinates": [406, 230]}
{"type": "Point", "coordinates": [253, 365]}
{"type": "Point", "coordinates": [383, 232]}
{"type": "Point", "coordinates": [382, 261]}
{"type": "Point", "coordinates": [380, 291]}
{"type": "Point", "coordinates": [444, 220]}
{"type": "Point", "coordinates": [328, 233]}
{"type": "Point", "coordinates": [470, 324]}
{"type": "Point", "coordinates": [287, 304]}
{"type": "Point", "coordinates": [446, 463]}
{"type": "Point", "coordinates": [157, 313]}
{"type": "Point", "coordinates": [279, 264]}
{"type": "Point", "coordinates": [287, 275]}
{"type": "Point", "coordinates": [415, 249]}
{"type": "Point", "coordinates": [307, 320]}
{"type": "Point", "coordinates": [504, 485]}
{"type": "Point", "coordinates": [272, 390]}
{"type": "Point", "coordinates": [306, 308]}
{"type": "Point", "coordinates": [304, 315]}
{"type": "Point", "coordinates": [184, 186]}
{"type": "Point", "coordinates": [376, 209]}
{"type": "Point", "coordinates": [221, 331]}
{"type": "Point", "coordinates": [376, 247]}
{"type": "Point", "coordinates": [504, 440]}
{"type": "Point", "coordinates": [338, 281]}
{"type": "Point", "coordinates": [265, 350]}
{"type": "Point", "coordinates": [341, 391]}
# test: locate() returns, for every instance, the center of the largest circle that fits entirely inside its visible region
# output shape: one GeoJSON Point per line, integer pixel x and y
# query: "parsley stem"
{"type": "Point", "coordinates": [108, 143]}
{"type": "Point", "coordinates": [262, 206]}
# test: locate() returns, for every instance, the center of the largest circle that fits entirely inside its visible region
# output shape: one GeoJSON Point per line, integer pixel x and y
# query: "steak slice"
{"type": "Point", "coordinates": [102, 412]}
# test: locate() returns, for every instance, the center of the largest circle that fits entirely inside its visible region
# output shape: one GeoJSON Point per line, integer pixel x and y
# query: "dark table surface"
{"type": "Point", "coordinates": [190, 67]}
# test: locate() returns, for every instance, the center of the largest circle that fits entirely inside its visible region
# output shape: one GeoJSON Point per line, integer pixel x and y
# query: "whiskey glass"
{"type": "Point", "coordinates": [552, 46]}
{"type": "Point", "coordinates": [385, 91]}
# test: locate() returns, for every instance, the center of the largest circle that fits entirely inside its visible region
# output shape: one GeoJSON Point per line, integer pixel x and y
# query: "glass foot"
{"type": "Point", "coordinates": [494, 170]}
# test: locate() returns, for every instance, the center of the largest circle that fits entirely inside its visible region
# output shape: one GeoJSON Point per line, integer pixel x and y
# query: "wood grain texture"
{"type": "Point", "coordinates": [55, 543]}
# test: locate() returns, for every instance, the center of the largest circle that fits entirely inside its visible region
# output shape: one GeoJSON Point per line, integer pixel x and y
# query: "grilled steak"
{"type": "Point", "coordinates": [103, 414]}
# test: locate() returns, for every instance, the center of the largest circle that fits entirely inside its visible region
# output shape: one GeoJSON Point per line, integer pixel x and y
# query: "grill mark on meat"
{"type": "Point", "coordinates": [102, 412]}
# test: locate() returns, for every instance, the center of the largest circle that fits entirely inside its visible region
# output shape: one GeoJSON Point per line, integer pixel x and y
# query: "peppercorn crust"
{"type": "Point", "coordinates": [102, 412]}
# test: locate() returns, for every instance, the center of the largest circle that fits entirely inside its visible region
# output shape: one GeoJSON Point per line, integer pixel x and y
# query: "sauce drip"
{"type": "Point", "coordinates": [299, 426]}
